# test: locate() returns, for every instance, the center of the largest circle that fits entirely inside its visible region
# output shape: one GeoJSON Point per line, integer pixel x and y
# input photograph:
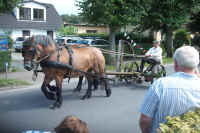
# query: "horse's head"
{"type": "Point", "coordinates": [34, 49]}
{"type": "Point", "coordinates": [28, 52]}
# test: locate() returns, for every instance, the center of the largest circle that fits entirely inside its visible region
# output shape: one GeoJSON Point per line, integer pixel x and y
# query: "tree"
{"type": "Point", "coordinates": [167, 16]}
{"type": "Point", "coordinates": [114, 13]}
{"type": "Point", "coordinates": [72, 19]}
{"type": "Point", "coordinates": [194, 24]}
{"type": "Point", "coordinates": [69, 30]}
{"type": "Point", "coordinates": [8, 5]}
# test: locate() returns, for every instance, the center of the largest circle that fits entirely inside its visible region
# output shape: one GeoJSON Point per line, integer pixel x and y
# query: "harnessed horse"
{"type": "Point", "coordinates": [59, 63]}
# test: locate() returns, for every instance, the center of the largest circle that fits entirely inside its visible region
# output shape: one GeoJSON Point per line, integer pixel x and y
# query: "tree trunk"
{"type": "Point", "coordinates": [169, 43]}
{"type": "Point", "coordinates": [112, 47]}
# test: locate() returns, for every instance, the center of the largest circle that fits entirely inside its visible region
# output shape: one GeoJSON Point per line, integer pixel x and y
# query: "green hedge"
{"type": "Point", "coordinates": [186, 123]}
{"type": "Point", "coordinates": [5, 56]}
{"type": "Point", "coordinates": [141, 40]}
{"type": "Point", "coordinates": [10, 42]}
{"type": "Point", "coordinates": [103, 35]}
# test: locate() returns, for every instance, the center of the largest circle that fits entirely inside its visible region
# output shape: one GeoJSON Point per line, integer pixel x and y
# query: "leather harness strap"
{"type": "Point", "coordinates": [70, 53]}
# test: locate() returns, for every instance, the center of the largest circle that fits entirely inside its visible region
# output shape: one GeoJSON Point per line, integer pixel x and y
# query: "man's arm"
{"type": "Point", "coordinates": [157, 52]}
{"type": "Point", "coordinates": [145, 123]}
{"type": "Point", "coordinates": [148, 52]}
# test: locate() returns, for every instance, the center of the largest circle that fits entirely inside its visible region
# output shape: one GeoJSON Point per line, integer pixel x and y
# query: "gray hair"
{"type": "Point", "coordinates": [187, 57]}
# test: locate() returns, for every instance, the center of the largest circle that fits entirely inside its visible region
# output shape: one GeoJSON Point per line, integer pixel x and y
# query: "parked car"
{"type": "Point", "coordinates": [18, 44]}
{"type": "Point", "coordinates": [69, 41]}
{"type": "Point", "coordinates": [100, 43]}
{"type": "Point", "coordinates": [61, 41]}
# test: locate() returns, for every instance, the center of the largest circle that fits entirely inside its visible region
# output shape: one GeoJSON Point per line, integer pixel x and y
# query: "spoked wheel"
{"type": "Point", "coordinates": [156, 72]}
{"type": "Point", "coordinates": [161, 72]}
{"type": "Point", "coordinates": [130, 67]}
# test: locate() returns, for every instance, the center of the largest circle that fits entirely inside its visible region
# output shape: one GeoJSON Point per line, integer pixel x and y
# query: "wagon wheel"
{"type": "Point", "coordinates": [130, 67]}
{"type": "Point", "coordinates": [161, 72]}
{"type": "Point", "coordinates": [156, 72]}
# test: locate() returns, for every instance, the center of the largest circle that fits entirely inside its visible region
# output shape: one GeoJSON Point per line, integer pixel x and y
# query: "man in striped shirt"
{"type": "Point", "coordinates": [172, 95]}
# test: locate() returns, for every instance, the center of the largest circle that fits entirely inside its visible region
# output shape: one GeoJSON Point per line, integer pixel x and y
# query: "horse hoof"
{"type": "Point", "coordinates": [83, 98]}
{"type": "Point", "coordinates": [76, 90]}
{"type": "Point", "coordinates": [52, 106]}
{"type": "Point", "coordinates": [55, 105]}
{"type": "Point", "coordinates": [108, 92]}
{"type": "Point", "coordinates": [96, 88]}
{"type": "Point", "coordinates": [86, 96]}
{"type": "Point", "coordinates": [58, 105]}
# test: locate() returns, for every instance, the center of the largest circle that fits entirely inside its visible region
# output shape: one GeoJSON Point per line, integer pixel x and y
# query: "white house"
{"type": "Point", "coordinates": [31, 18]}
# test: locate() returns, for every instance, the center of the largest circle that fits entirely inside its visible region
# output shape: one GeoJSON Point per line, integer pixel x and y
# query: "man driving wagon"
{"type": "Point", "coordinates": [153, 56]}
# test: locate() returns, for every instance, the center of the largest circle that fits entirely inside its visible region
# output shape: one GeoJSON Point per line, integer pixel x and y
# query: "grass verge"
{"type": "Point", "coordinates": [12, 82]}
{"type": "Point", "coordinates": [167, 60]}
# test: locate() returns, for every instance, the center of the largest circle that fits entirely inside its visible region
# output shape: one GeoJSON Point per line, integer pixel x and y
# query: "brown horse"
{"type": "Point", "coordinates": [59, 63]}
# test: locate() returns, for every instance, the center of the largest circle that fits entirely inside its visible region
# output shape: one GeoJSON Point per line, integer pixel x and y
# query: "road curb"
{"type": "Point", "coordinates": [36, 85]}
{"type": "Point", "coordinates": [19, 88]}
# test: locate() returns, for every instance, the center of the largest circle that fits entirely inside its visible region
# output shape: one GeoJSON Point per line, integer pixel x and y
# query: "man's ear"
{"type": "Point", "coordinates": [176, 66]}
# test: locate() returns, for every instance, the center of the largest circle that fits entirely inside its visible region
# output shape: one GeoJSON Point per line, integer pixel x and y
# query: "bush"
{"type": "Point", "coordinates": [69, 30]}
{"type": "Point", "coordinates": [186, 123]}
{"type": "Point", "coordinates": [5, 56]}
{"type": "Point", "coordinates": [103, 36]}
{"type": "Point", "coordinates": [10, 42]}
{"type": "Point", "coordinates": [196, 40]}
{"type": "Point", "coordinates": [182, 37]}
{"type": "Point", "coordinates": [143, 42]}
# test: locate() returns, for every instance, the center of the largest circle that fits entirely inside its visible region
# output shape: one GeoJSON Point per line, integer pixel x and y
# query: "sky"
{"type": "Point", "coordinates": [63, 6]}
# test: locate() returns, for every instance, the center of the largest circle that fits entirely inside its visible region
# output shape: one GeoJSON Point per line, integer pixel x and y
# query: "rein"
{"type": "Point", "coordinates": [35, 70]}
{"type": "Point", "coordinates": [61, 65]}
{"type": "Point", "coordinates": [45, 57]}
{"type": "Point", "coordinates": [48, 55]}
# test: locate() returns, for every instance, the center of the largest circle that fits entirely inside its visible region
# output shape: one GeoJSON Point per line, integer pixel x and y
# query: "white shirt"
{"type": "Point", "coordinates": [156, 53]}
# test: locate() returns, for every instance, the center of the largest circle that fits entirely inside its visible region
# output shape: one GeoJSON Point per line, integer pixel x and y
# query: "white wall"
{"type": "Point", "coordinates": [19, 33]}
{"type": "Point", "coordinates": [38, 32]}
{"type": "Point", "coordinates": [16, 33]}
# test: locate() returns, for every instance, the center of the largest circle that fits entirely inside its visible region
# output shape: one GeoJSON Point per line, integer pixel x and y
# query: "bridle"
{"type": "Point", "coordinates": [31, 52]}
{"type": "Point", "coordinates": [35, 62]}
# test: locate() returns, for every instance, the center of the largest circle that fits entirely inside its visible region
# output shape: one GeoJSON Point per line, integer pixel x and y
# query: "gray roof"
{"type": "Point", "coordinates": [53, 20]}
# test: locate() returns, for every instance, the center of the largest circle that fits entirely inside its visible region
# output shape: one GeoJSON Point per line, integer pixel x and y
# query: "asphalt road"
{"type": "Point", "coordinates": [25, 109]}
{"type": "Point", "coordinates": [28, 109]}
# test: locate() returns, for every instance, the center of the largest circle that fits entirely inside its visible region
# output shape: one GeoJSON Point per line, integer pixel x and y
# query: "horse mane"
{"type": "Point", "coordinates": [41, 39]}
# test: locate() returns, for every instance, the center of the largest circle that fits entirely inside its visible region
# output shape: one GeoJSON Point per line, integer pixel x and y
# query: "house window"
{"type": "Point", "coordinates": [26, 33]}
{"type": "Point", "coordinates": [38, 14]}
{"type": "Point", "coordinates": [50, 33]}
{"type": "Point", "coordinates": [91, 31]}
{"type": "Point", "coordinates": [25, 13]}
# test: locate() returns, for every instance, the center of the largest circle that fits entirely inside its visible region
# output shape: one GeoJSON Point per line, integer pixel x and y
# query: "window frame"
{"type": "Point", "coordinates": [24, 13]}
{"type": "Point", "coordinates": [26, 32]}
{"type": "Point", "coordinates": [38, 14]}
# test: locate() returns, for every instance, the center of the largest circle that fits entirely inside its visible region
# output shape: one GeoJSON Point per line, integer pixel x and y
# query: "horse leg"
{"type": "Point", "coordinates": [79, 86]}
{"type": "Point", "coordinates": [52, 87]}
{"type": "Point", "coordinates": [88, 93]}
{"type": "Point", "coordinates": [49, 95]}
{"type": "Point", "coordinates": [59, 98]}
{"type": "Point", "coordinates": [107, 87]}
{"type": "Point", "coordinates": [95, 83]}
